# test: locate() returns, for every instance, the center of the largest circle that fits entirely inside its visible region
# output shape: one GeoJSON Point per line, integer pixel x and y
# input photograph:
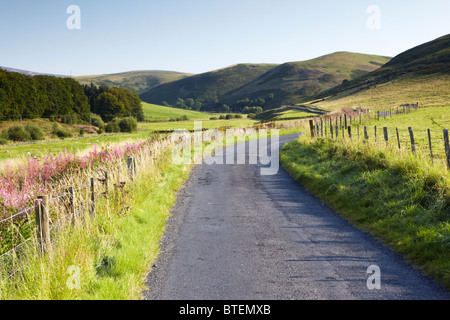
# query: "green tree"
{"type": "Point", "coordinates": [109, 106]}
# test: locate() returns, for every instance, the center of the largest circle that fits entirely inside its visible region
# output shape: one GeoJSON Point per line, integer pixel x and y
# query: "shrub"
{"type": "Point", "coordinates": [213, 118]}
{"type": "Point", "coordinates": [228, 116]}
{"type": "Point", "coordinates": [35, 132]}
{"type": "Point", "coordinates": [63, 134]}
{"type": "Point", "coordinates": [238, 116]}
{"type": "Point", "coordinates": [251, 115]}
{"type": "Point", "coordinates": [113, 126]}
{"type": "Point", "coordinates": [3, 141]}
{"type": "Point", "coordinates": [222, 117]}
{"type": "Point", "coordinates": [184, 118]}
{"type": "Point", "coordinates": [97, 121]}
{"type": "Point", "coordinates": [18, 133]}
{"type": "Point", "coordinates": [128, 124]}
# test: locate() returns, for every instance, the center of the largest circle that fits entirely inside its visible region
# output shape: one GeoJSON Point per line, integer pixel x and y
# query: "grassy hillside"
{"type": "Point", "coordinates": [292, 81]}
{"type": "Point", "coordinates": [421, 74]}
{"type": "Point", "coordinates": [288, 113]}
{"type": "Point", "coordinates": [161, 113]}
{"type": "Point", "coordinates": [137, 81]}
{"type": "Point", "coordinates": [206, 86]}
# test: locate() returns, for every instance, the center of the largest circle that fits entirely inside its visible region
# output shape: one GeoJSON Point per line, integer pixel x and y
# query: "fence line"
{"type": "Point", "coordinates": [318, 126]}
{"type": "Point", "coordinates": [112, 177]}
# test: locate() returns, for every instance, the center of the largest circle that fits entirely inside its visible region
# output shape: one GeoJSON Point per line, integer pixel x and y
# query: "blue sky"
{"type": "Point", "coordinates": [198, 36]}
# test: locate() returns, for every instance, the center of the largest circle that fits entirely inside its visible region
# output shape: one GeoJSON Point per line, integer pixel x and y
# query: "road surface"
{"type": "Point", "coordinates": [235, 234]}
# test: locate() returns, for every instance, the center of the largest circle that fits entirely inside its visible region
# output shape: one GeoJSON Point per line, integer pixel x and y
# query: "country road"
{"type": "Point", "coordinates": [235, 234]}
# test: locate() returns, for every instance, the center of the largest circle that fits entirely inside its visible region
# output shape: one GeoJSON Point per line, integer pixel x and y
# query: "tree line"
{"type": "Point", "coordinates": [45, 96]}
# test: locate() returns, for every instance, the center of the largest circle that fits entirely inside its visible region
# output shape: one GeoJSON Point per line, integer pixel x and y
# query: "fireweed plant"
{"type": "Point", "coordinates": [20, 186]}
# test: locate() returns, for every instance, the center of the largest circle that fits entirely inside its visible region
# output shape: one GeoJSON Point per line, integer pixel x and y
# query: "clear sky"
{"type": "Point", "coordinates": [201, 35]}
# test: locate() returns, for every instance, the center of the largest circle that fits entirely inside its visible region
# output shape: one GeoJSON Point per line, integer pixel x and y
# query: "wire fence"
{"type": "Point", "coordinates": [359, 126]}
{"type": "Point", "coordinates": [34, 228]}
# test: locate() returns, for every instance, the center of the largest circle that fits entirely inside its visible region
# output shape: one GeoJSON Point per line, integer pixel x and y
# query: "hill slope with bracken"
{"type": "Point", "coordinates": [207, 86]}
{"type": "Point", "coordinates": [243, 84]}
{"type": "Point", "coordinates": [420, 74]}
{"type": "Point", "coordinates": [292, 81]}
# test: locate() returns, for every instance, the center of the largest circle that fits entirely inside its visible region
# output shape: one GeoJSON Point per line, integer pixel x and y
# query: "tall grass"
{"type": "Point", "coordinates": [111, 250]}
{"type": "Point", "coordinates": [398, 197]}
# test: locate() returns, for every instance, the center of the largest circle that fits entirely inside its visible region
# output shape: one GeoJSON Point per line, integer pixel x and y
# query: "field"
{"type": "Point", "coordinates": [76, 144]}
{"type": "Point", "coordinates": [430, 90]}
{"type": "Point", "coordinates": [160, 113]}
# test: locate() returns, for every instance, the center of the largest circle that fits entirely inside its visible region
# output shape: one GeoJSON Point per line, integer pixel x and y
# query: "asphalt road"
{"type": "Point", "coordinates": [235, 234]}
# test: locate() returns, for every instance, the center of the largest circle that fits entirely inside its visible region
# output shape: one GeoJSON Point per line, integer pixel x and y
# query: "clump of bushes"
{"type": "Point", "coordinates": [128, 124]}
{"type": "Point", "coordinates": [60, 133]}
{"type": "Point", "coordinates": [35, 132]}
{"type": "Point", "coordinates": [18, 133]}
{"type": "Point", "coordinates": [97, 121]}
{"type": "Point", "coordinates": [25, 133]}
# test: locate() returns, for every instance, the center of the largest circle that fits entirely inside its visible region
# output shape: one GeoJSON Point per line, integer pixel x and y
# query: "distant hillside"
{"type": "Point", "coordinates": [292, 81]}
{"type": "Point", "coordinates": [32, 73]}
{"type": "Point", "coordinates": [266, 85]}
{"type": "Point", "coordinates": [420, 74]}
{"type": "Point", "coordinates": [206, 86]}
{"type": "Point", "coordinates": [137, 81]}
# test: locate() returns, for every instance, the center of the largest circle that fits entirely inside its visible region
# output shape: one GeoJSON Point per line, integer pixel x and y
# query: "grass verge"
{"type": "Point", "coordinates": [401, 200]}
{"type": "Point", "coordinates": [109, 254]}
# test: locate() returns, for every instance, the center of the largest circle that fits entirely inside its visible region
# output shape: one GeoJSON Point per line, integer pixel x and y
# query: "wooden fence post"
{"type": "Point", "coordinates": [398, 138]}
{"type": "Point", "coordinates": [349, 132]}
{"type": "Point", "coordinates": [337, 128]}
{"type": "Point", "coordinates": [331, 128]}
{"type": "Point", "coordinates": [106, 185]}
{"type": "Point", "coordinates": [413, 143]}
{"type": "Point", "coordinates": [375, 133]}
{"type": "Point", "coordinates": [130, 165]}
{"type": "Point", "coordinates": [385, 131]}
{"type": "Point", "coordinates": [92, 208]}
{"type": "Point", "coordinates": [321, 127]}
{"type": "Point", "coordinates": [42, 224]}
{"type": "Point", "coordinates": [429, 144]}
{"type": "Point", "coordinates": [447, 148]}
{"type": "Point", "coordinates": [366, 135]}
{"type": "Point", "coordinates": [71, 208]}
{"type": "Point", "coordinates": [311, 127]}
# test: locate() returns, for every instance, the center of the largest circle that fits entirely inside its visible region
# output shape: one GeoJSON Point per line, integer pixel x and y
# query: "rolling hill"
{"type": "Point", "coordinates": [206, 86]}
{"type": "Point", "coordinates": [292, 81]}
{"type": "Point", "coordinates": [420, 74]}
{"type": "Point", "coordinates": [137, 81]}
{"type": "Point", "coordinates": [281, 84]}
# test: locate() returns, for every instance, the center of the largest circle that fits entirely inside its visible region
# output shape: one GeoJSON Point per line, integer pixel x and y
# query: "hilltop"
{"type": "Point", "coordinates": [420, 74]}
{"type": "Point", "coordinates": [266, 85]}
{"type": "Point", "coordinates": [137, 81]}
{"type": "Point", "coordinates": [207, 86]}
{"type": "Point", "coordinates": [292, 81]}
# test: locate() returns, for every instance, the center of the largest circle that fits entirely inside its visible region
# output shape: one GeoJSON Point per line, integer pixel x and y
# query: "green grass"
{"type": "Point", "coordinates": [189, 125]}
{"type": "Point", "coordinates": [427, 90]}
{"type": "Point", "coordinates": [401, 200]}
{"type": "Point", "coordinates": [113, 249]}
{"type": "Point", "coordinates": [161, 113]}
{"type": "Point", "coordinates": [434, 118]}
{"type": "Point", "coordinates": [42, 148]}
